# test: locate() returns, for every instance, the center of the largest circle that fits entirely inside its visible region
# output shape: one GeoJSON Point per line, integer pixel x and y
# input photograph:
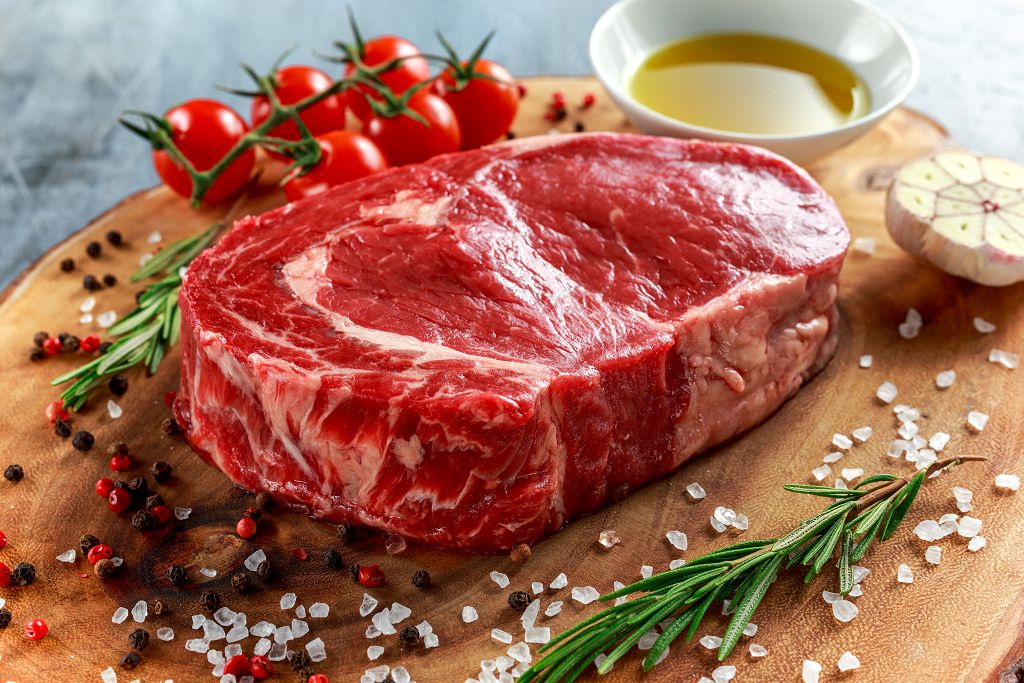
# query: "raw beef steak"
{"type": "Point", "coordinates": [474, 350]}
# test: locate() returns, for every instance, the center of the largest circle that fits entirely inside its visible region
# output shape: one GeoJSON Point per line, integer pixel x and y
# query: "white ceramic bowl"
{"type": "Point", "coordinates": [853, 30]}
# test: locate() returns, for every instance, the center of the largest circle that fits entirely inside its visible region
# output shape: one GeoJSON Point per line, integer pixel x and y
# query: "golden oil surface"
{"type": "Point", "coordinates": [750, 83]}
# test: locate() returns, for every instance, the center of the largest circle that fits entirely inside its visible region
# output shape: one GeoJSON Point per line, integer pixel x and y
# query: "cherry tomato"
{"type": "Point", "coordinates": [345, 156]}
{"type": "Point", "coordinates": [294, 84]}
{"type": "Point", "coordinates": [484, 108]}
{"type": "Point", "coordinates": [405, 140]}
{"type": "Point", "coordinates": [380, 51]}
{"type": "Point", "coordinates": [204, 131]}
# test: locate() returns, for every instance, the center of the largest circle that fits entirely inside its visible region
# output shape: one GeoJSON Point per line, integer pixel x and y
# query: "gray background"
{"type": "Point", "coordinates": [68, 68]}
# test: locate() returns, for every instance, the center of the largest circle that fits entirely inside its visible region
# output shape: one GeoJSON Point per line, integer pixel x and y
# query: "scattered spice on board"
{"type": "Point", "coordinates": [115, 238]}
{"type": "Point", "coordinates": [67, 265]}
{"type": "Point", "coordinates": [14, 473]}
{"type": "Point", "coordinates": [93, 249]}
{"type": "Point", "coordinates": [421, 579]}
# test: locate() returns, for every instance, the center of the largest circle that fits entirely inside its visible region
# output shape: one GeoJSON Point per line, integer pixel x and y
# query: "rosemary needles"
{"type": "Point", "coordinates": [740, 573]}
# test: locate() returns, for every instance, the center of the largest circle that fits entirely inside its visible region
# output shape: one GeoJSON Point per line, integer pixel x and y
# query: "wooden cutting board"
{"type": "Point", "coordinates": [959, 621]}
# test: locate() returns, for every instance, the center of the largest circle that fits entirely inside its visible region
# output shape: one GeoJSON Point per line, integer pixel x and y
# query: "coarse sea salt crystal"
{"type": "Point", "coordinates": [945, 379]}
{"type": "Point", "coordinates": [819, 473]}
{"type": "Point", "coordinates": [108, 675]}
{"type": "Point", "coordinates": [844, 610]}
{"type": "Point", "coordinates": [695, 491]}
{"type": "Point", "coordinates": [469, 614]}
{"type": "Point", "coordinates": [530, 614]}
{"type": "Point", "coordinates": [1005, 358]}
{"type": "Point", "coordinates": [430, 640]}
{"type": "Point", "coordinates": [962, 495]}
{"type": "Point", "coordinates": [277, 652]}
{"type": "Point", "coordinates": [925, 457]}
{"type": "Point", "coordinates": [724, 515]}
{"type": "Point", "coordinates": [372, 632]}
{"type": "Point", "coordinates": [983, 326]}
{"type": "Point", "coordinates": [300, 611]}
{"type": "Point", "coordinates": [537, 587]}
{"type": "Point", "coordinates": [212, 630]}
{"type": "Point", "coordinates": [262, 629]}
{"type": "Point", "coordinates": [717, 525]}
{"type": "Point", "coordinates": [976, 543]}
{"type": "Point", "coordinates": [677, 539]}
{"type": "Point", "coordinates": [841, 441]}
{"type": "Point", "coordinates": [224, 616]}
{"type": "Point", "coordinates": [618, 585]}
{"type": "Point", "coordinates": [608, 538]}
{"type": "Point", "coordinates": [834, 456]}
{"type": "Point", "coordinates": [369, 604]}
{"type": "Point", "coordinates": [856, 591]}
{"type": "Point", "coordinates": [68, 556]}
{"type": "Point", "coordinates": [197, 645]}
{"type": "Point", "coordinates": [865, 245]}
{"type": "Point", "coordinates": [928, 530]}
{"type": "Point", "coordinates": [886, 392]}
{"type": "Point", "coordinates": [742, 522]}
{"type": "Point", "coordinates": [140, 611]}
{"type": "Point", "coordinates": [395, 544]}
{"type": "Point", "coordinates": [750, 630]}
{"type": "Point", "coordinates": [399, 612]}
{"type": "Point", "coordinates": [585, 594]}
{"type": "Point", "coordinates": [647, 640]}
{"type": "Point", "coordinates": [908, 430]}
{"type": "Point", "coordinates": [400, 675]}
{"type": "Point", "coordinates": [120, 614]}
{"type": "Point", "coordinates": [840, 484]}
{"type": "Point", "coordinates": [520, 652]}
{"type": "Point", "coordinates": [262, 646]}
{"type": "Point", "coordinates": [830, 597]}
{"type": "Point", "coordinates": [757, 650]}
{"type": "Point", "coordinates": [251, 562]}
{"type": "Point", "coordinates": [316, 649]}
{"type": "Point", "coordinates": [208, 573]}
{"type": "Point", "coordinates": [1010, 482]}
{"type": "Point", "coordinates": [860, 573]}
{"type": "Point", "coordinates": [374, 652]}
{"type": "Point", "coordinates": [676, 563]}
{"type": "Point", "coordinates": [154, 237]}
{"type": "Point", "coordinates": [288, 600]}
{"type": "Point", "coordinates": [183, 514]}
{"type": "Point", "coordinates": [299, 628]}
{"type": "Point", "coordinates": [500, 579]}
{"type": "Point", "coordinates": [905, 574]}
{"type": "Point", "coordinates": [723, 674]}
{"type": "Point", "coordinates": [424, 627]}
{"type": "Point", "coordinates": [711, 642]}
{"type": "Point", "coordinates": [866, 360]}
{"type": "Point", "coordinates": [165, 633]}
{"type": "Point", "coordinates": [114, 410]}
{"type": "Point", "coordinates": [319, 610]}
{"type": "Point", "coordinates": [237, 633]}
{"type": "Point", "coordinates": [198, 620]}
{"type": "Point", "coordinates": [538, 634]}
{"type": "Point", "coordinates": [560, 581]}
{"type": "Point", "coordinates": [553, 609]}
{"type": "Point", "coordinates": [862, 434]}
{"type": "Point", "coordinates": [382, 620]}
{"type": "Point", "coordinates": [905, 413]}
{"type": "Point", "coordinates": [933, 555]}
{"type": "Point", "coordinates": [810, 671]}
{"type": "Point", "coordinates": [969, 526]}
{"type": "Point", "coordinates": [85, 319]}
{"type": "Point", "coordinates": [646, 571]}
{"type": "Point", "coordinates": [501, 636]}
{"type": "Point", "coordinates": [851, 473]}
{"type": "Point", "coordinates": [976, 420]}
{"type": "Point", "coordinates": [938, 441]}
{"type": "Point", "coordinates": [848, 662]}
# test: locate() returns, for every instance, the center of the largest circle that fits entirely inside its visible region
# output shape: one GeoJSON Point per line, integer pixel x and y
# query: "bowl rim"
{"type": "Point", "coordinates": [873, 115]}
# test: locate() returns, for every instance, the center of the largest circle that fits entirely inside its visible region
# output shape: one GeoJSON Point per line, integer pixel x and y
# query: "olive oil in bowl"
{"type": "Point", "coordinates": [750, 83]}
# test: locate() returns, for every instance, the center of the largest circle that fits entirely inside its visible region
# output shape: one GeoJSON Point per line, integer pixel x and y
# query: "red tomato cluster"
{"type": "Point", "coordinates": [409, 117]}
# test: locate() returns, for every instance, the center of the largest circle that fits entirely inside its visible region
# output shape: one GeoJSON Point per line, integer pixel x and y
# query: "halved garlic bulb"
{"type": "Point", "coordinates": [963, 212]}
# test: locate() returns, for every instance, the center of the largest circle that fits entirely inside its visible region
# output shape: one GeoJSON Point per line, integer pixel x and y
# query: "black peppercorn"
{"type": "Point", "coordinates": [162, 472]}
{"type": "Point", "coordinates": [115, 238]}
{"type": "Point", "coordinates": [169, 426]}
{"type": "Point", "coordinates": [509, 135]}
{"type": "Point", "coordinates": [263, 570]}
{"type": "Point", "coordinates": [14, 473]}
{"type": "Point", "coordinates": [109, 279]}
{"type": "Point", "coordinates": [353, 571]}
{"type": "Point", "coordinates": [263, 501]}
{"type": "Point", "coordinates": [93, 249]}
{"type": "Point", "coordinates": [119, 448]}
{"type": "Point", "coordinates": [36, 355]}
{"type": "Point", "coordinates": [5, 617]}
{"type": "Point", "coordinates": [118, 385]}
{"type": "Point", "coordinates": [144, 520]}
{"type": "Point", "coordinates": [158, 607]}
{"type": "Point", "coordinates": [255, 514]}
{"type": "Point", "coordinates": [69, 343]}
{"type": "Point", "coordinates": [519, 601]}
{"type": "Point", "coordinates": [91, 284]}
{"type": "Point", "coordinates": [83, 441]}
{"type": "Point", "coordinates": [578, 127]}
{"type": "Point", "coordinates": [210, 601]}
{"type": "Point", "coordinates": [138, 639]}
{"type": "Point", "coordinates": [62, 429]}
{"type": "Point", "coordinates": [104, 347]}
{"type": "Point", "coordinates": [138, 487]}
{"type": "Point", "coordinates": [298, 659]}
{"type": "Point", "coordinates": [130, 661]}
{"type": "Point", "coordinates": [154, 500]}
{"type": "Point", "coordinates": [177, 575]}
{"type": "Point", "coordinates": [67, 265]}
{"type": "Point", "coordinates": [86, 542]}
{"type": "Point", "coordinates": [105, 568]}
{"type": "Point", "coordinates": [346, 532]}
{"type": "Point", "coordinates": [39, 337]}
{"type": "Point", "coordinates": [421, 579]}
{"type": "Point", "coordinates": [23, 575]}
{"type": "Point", "coordinates": [242, 583]}
{"type": "Point", "coordinates": [409, 636]}
{"type": "Point", "coordinates": [332, 558]}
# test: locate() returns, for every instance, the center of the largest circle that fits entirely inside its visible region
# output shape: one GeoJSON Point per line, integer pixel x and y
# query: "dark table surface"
{"type": "Point", "coordinates": [68, 68]}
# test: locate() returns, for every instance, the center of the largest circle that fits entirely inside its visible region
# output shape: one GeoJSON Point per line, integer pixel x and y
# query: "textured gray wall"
{"type": "Point", "coordinates": [67, 69]}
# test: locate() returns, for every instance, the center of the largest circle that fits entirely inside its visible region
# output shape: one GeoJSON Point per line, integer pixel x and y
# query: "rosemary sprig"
{"type": "Point", "coordinates": [740, 574]}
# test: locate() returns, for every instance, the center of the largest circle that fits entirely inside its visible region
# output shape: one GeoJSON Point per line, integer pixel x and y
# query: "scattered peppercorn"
{"type": "Point", "coordinates": [177, 575]}
{"type": "Point", "coordinates": [246, 528]}
{"type": "Point", "coordinates": [169, 400]}
{"type": "Point", "coordinates": [409, 636]}
{"type": "Point", "coordinates": [255, 514]}
{"type": "Point", "coordinates": [139, 488]}
{"type": "Point", "coordinates": [117, 448]}
{"type": "Point", "coordinates": [24, 574]}
{"type": "Point", "coordinates": [3, 540]}
{"type": "Point", "coordinates": [144, 520]}
{"type": "Point", "coordinates": [52, 346]}
{"type": "Point", "coordinates": [86, 543]}
{"type": "Point", "coordinates": [519, 601]}
{"type": "Point", "coordinates": [159, 607]}
{"type": "Point", "coordinates": [104, 347]}
{"type": "Point", "coordinates": [39, 338]}
{"type": "Point", "coordinates": [236, 667]}
{"type": "Point", "coordinates": [421, 579]}
{"type": "Point", "coordinates": [14, 473]}
{"type": "Point", "coordinates": [5, 575]}
{"type": "Point", "coordinates": [36, 355]}
{"type": "Point", "coordinates": [130, 661]}
{"type": "Point", "coordinates": [115, 238]}
{"type": "Point", "coordinates": [93, 249]}
{"type": "Point", "coordinates": [263, 570]}
{"type": "Point", "coordinates": [371, 576]}
{"type": "Point", "coordinates": [67, 265]}
{"type": "Point", "coordinates": [98, 552]}
{"type": "Point", "coordinates": [109, 279]}
{"type": "Point", "coordinates": [588, 101]}
{"type": "Point", "coordinates": [242, 583]}
{"type": "Point", "coordinates": [162, 513]}
{"type": "Point", "coordinates": [90, 343]}
{"type": "Point", "coordinates": [346, 532]}
{"type": "Point", "coordinates": [120, 463]}
{"type": "Point", "coordinates": [332, 558]}
{"type": "Point", "coordinates": [509, 135]}
{"type": "Point", "coordinates": [162, 472]}
{"type": "Point", "coordinates": [520, 553]}
{"type": "Point", "coordinates": [260, 667]}
{"type": "Point", "coordinates": [36, 629]}
{"type": "Point", "coordinates": [308, 675]}
{"type": "Point", "coordinates": [5, 617]}
{"type": "Point", "coordinates": [298, 659]}
{"type": "Point", "coordinates": [118, 385]}
{"type": "Point", "coordinates": [62, 429]}
{"type": "Point", "coordinates": [579, 127]}
{"type": "Point", "coordinates": [69, 343]}
{"type": "Point", "coordinates": [210, 601]}
{"type": "Point", "coordinates": [169, 426]}
{"type": "Point", "coordinates": [138, 639]}
{"type": "Point", "coordinates": [91, 284]}
{"type": "Point", "coordinates": [105, 568]}
{"type": "Point", "coordinates": [83, 441]}
{"type": "Point", "coordinates": [263, 501]}
{"type": "Point", "coordinates": [154, 500]}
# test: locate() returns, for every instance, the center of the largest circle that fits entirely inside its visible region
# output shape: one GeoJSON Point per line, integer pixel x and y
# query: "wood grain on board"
{"type": "Point", "coordinates": [958, 621]}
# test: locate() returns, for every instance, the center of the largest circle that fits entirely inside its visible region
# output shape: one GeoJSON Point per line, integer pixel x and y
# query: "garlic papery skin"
{"type": "Point", "coordinates": [964, 212]}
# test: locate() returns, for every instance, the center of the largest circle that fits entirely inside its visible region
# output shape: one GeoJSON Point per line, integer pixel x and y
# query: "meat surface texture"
{"type": "Point", "coordinates": [474, 350]}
